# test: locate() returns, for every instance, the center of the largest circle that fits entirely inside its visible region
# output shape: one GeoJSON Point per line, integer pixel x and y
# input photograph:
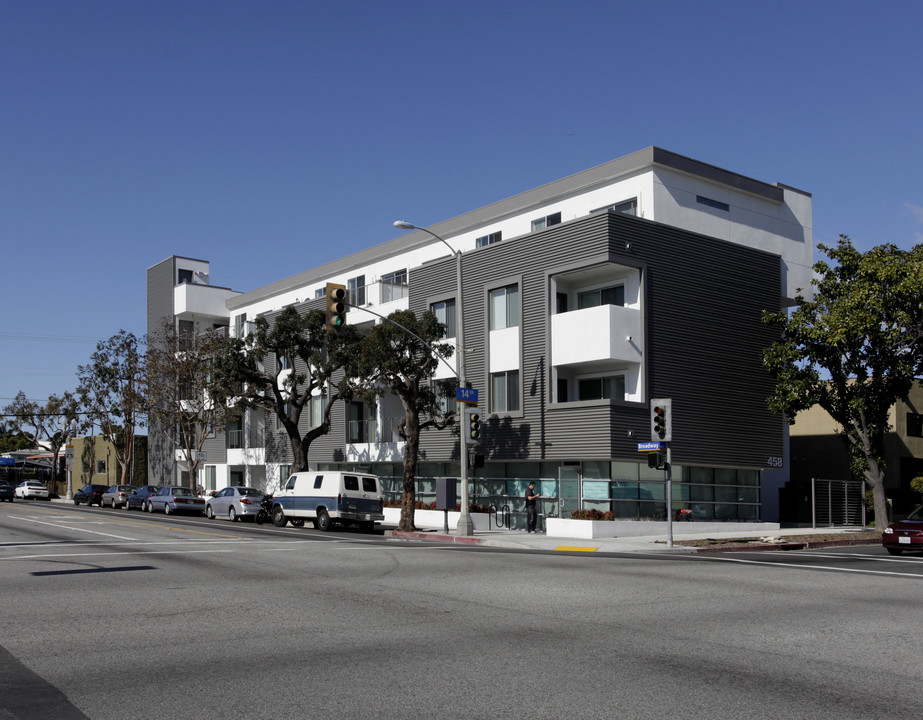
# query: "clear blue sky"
{"type": "Point", "coordinates": [269, 137]}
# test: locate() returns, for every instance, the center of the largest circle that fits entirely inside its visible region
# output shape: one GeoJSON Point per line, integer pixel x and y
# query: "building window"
{"type": "Point", "coordinates": [611, 387]}
{"type": "Point", "coordinates": [445, 313]}
{"type": "Point", "coordinates": [316, 406]}
{"type": "Point", "coordinates": [183, 276]}
{"type": "Point", "coordinates": [287, 411]}
{"type": "Point", "coordinates": [284, 472]}
{"type": "Point", "coordinates": [210, 478]}
{"type": "Point", "coordinates": [394, 285]}
{"type": "Point", "coordinates": [489, 239]}
{"type": "Point", "coordinates": [320, 292]}
{"type": "Point", "coordinates": [626, 207]}
{"type": "Point", "coordinates": [240, 322]}
{"type": "Point", "coordinates": [614, 295]}
{"type": "Point", "coordinates": [504, 307]}
{"type": "Point", "coordinates": [504, 391]}
{"type": "Point", "coordinates": [283, 362]}
{"type": "Point", "coordinates": [914, 425]}
{"type": "Point", "coordinates": [100, 467]}
{"type": "Point", "coordinates": [717, 204]}
{"type": "Point", "coordinates": [356, 431]}
{"type": "Point", "coordinates": [445, 395]}
{"type": "Point", "coordinates": [356, 290]}
{"type": "Point", "coordinates": [235, 433]}
{"type": "Point", "coordinates": [186, 334]}
{"type": "Point", "coordinates": [545, 222]}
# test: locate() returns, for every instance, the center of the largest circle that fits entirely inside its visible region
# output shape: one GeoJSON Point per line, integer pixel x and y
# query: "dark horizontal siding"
{"type": "Point", "coordinates": [702, 312]}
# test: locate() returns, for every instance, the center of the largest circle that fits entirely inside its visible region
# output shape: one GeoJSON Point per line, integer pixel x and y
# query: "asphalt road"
{"type": "Point", "coordinates": [108, 614]}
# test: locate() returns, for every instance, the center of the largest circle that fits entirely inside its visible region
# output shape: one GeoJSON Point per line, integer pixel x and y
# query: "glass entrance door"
{"type": "Point", "coordinates": [569, 488]}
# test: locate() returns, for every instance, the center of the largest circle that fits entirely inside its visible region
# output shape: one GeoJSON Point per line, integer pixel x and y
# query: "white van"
{"type": "Point", "coordinates": [326, 497]}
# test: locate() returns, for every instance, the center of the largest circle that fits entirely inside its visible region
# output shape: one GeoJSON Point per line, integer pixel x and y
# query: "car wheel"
{"type": "Point", "coordinates": [323, 520]}
{"type": "Point", "coordinates": [166, 509]}
{"type": "Point", "coordinates": [232, 514]}
{"type": "Point", "coordinates": [278, 517]}
{"type": "Point", "coordinates": [150, 506]}
{"type": "Point", "coordinates": [209, 513]}
{"type": "Point", "coordinates": [894, 551]}
{"type": "Point", "coordinates": [76, 501]}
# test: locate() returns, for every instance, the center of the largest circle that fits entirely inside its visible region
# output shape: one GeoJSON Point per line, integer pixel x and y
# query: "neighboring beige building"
{"type": "Point", "coordinates": [95, 462]}
{"type": "Point", "coordinates": [818, 452]}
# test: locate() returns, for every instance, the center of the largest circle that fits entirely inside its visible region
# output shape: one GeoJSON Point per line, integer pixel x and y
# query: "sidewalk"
{"type": "Point", "coordinates": [641, 544]}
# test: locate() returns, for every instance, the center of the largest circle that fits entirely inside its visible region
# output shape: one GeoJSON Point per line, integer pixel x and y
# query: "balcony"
{"type": "Point", "coordinates": [190, 299]}
{"type": "Point", "coordinates": [598, 337]}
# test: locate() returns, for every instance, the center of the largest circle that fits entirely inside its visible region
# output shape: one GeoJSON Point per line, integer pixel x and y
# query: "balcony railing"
{"type": "Point", "coordinates": [369, 431]}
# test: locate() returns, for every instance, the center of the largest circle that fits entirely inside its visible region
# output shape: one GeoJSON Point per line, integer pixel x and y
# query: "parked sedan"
{"type": "Point", "coordinates": [90, 494]}
{"type": "Point", "coordinates": [176, 499]}
{"type": "Point", "coordinates": [904, 535]}
{"type": "Point", "coordinates": [234, 503]}
{"type": "Point", "coordinates": [138, 499]}
{"type": "Point", "coordinates": [7, 492]}
{"type": "Point", "coordinates": [32, 489]}
{"type": "Point", "coordinates": [116, 495]}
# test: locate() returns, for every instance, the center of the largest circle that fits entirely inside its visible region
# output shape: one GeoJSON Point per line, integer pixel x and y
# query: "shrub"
{"type": "Point", "coordinates": [593, 514]}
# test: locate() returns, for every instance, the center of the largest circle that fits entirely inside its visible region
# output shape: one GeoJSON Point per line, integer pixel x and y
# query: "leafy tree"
{"type": "Point", "coordinates": [854, 349]}
{"type": "Point", "coordinates": [111, 391]}
{"type": "Point", "coordinates": [44, 426]}
{"type": "Point", "coordinates": [400, 356]}
{"type": "Point", "coordinates": [181, 385]}
{"type": "Point", "coordinates": [12, 439]}
{"type": "Point", "coordinates": [306, 358]}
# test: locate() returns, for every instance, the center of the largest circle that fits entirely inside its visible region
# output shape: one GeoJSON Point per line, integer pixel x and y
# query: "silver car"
{"type": "Point", "coordinates": [32, 489]}
{"type": "Point", "coordinates": [175, 499]}
{"type": "Point", "coordinates": [116, 496]}
{"type": "Point", "coordinates": [234, 503]}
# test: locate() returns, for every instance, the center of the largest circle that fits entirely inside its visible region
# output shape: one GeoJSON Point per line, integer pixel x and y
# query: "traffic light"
{"type": "Point", "coordinates": [336, 306]}
{"type": "Point", "coordinates": [655, 460]}
{"type": "Point", "coordinates": [661, 422]}
{"type": "Point", "coordinates": [472, 426]}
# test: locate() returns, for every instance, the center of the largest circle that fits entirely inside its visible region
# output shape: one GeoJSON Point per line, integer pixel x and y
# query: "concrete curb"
{"type": "Point", "coordinates": [808, 545]}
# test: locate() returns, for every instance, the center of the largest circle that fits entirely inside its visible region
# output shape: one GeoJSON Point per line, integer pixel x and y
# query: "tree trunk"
{"type": "Point", "coordinates": [876, 480]}
{"type": "Point", "coordinates": [411, 445]}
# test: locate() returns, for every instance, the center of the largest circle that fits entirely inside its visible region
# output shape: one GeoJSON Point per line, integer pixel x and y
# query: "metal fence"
{"type": "Point", "coordinates": [837, 503]}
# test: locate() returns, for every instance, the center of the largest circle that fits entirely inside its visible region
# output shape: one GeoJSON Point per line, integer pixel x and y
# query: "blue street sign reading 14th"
{"type": "Point", "coordinates": [466, 395]}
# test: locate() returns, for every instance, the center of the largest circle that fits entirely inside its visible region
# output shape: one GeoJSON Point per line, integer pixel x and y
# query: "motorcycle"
{"type": "Point", "coordinates": [264, 514]}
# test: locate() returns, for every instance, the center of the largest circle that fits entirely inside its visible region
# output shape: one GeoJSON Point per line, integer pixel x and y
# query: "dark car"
{"type": "Point", "coordinates": [138, 499]}
{"type": "Point", "coordinates": [90, 494]}
{"type": "Point", "coordinates": [904, 535]}
{"type": "Point", "coordinates": [6, 491]}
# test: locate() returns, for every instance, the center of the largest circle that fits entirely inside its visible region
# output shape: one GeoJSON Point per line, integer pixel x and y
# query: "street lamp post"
{"type": "Point", "coordinates": [71, 428]}
{"type": "Point", "coordinates": [465, 525]}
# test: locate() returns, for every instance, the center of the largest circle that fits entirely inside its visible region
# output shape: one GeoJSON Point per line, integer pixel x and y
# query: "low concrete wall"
{"type": "Point", "coordinates": [435, 519]}
{"type": "Point", "coordinates": [560, 527]}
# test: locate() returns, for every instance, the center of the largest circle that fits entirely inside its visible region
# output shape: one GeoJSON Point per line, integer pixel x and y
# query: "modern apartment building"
{"type": "Point", "coordinates": [645, 277]}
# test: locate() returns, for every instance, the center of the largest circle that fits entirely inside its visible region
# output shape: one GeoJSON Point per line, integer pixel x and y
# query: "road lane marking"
{"type": "Point", "coordinates": [75, 529]}
{"type": "Point", "coordinates": [796, 566]}
{"type": "Point", "coordinates": [143, 524]}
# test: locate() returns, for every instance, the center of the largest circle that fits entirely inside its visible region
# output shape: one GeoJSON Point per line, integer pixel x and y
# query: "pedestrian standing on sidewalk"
{"type": "Point", "coordinates": [531, 513]}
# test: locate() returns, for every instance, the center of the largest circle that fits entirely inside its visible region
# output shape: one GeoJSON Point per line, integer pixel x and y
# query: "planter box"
{"type": "Point", "coordinates": [435, 519]}
{"type": "Point", "coordinates": [566, 528]}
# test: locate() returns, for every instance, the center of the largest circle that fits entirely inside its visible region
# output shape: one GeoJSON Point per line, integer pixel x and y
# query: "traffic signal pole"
{"type": "Point", "coordinates": [668, 474]}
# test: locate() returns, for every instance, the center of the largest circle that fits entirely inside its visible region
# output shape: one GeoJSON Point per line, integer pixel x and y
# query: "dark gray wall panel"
{"type": "Point", "coordinates": [703, 307]}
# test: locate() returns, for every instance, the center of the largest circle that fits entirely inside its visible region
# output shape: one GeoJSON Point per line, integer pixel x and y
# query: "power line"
{"type": "Point", "coordinates": [47, 338]}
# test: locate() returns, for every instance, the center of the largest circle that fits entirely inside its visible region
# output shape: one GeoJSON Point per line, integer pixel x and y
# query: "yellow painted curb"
{"type": "Point", "coordinates": [575, 548]}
